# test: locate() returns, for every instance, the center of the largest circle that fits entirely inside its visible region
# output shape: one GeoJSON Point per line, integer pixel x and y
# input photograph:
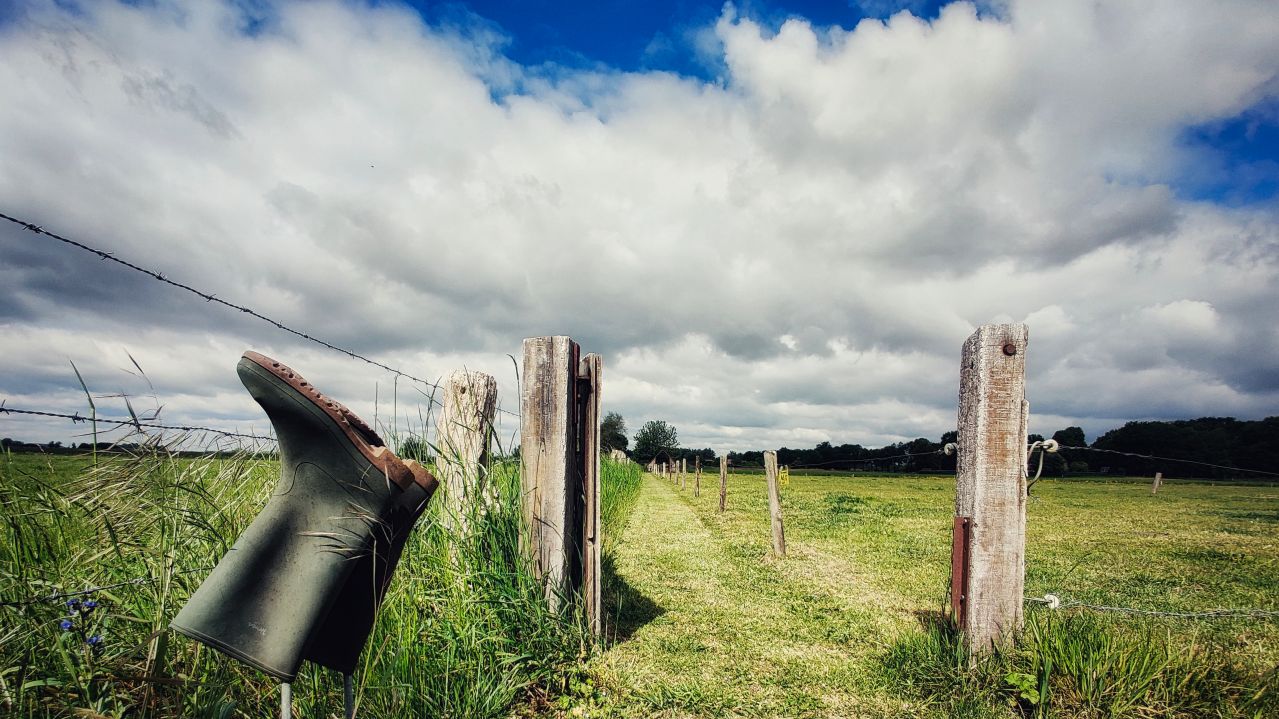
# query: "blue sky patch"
{"type": "Point", "coordinates": [1234, 161]}
{"type": "Point", "coordinates": [635, 36]}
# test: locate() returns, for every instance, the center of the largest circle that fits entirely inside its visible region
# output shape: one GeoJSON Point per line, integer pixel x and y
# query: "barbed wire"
{"type": "Point", "coordinates": [93, 590]}
{"type": "Point", "coordinates": [130, 422]}
{"type": "Point", "coordinates": [1052, 601]}
{"type": "Point", "coordinates": [1171, 459]}
{"type": "Point", "coordinates": [209, 297]}
{"type": "Point", "coordinates": [862, 461]}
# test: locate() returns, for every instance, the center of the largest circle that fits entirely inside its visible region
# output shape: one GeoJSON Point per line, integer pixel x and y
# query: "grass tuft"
{"type": "Point", "coordinates": [1078, 665]}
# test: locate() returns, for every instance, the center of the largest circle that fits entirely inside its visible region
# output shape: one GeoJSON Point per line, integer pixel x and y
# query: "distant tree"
{"type": "Point", "coordinates": [1071, 437]}
{"type": "Point", "coordinates": [654, 437]}
{"type": "Point", "coordinates": [613, 432]}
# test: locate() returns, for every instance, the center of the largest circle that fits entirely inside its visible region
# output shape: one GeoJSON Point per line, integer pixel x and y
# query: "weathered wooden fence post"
{"type": "Point", "coordinates": [988, 554]}
{"type": "Point", "coordinates": [1159, 479]}
{"type": "Point", "coordinates": [723, 481]}
{"type": "Point", "coordinates": [697, 476]}
{"type": "Point", "coordinates": [462, 432]}
{"type": "Point", "coordinates": [683, 473]}
{"type": "Point", "coordinates": [775, 503]}
{"type": "Point", "coordinates": [559, 469]}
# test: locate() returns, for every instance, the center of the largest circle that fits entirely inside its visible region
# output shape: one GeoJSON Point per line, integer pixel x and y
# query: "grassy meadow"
{"type": "Point", "coordinates": [464, 632]}
{"type": "Point", "coordinates": [847, 625]}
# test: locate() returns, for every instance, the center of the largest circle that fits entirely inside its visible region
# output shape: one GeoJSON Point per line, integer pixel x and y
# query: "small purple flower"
{"type": "Point", "coordinates": [72, 603]}
{"type": "Point", "coordinates": [94, 640]}
{"type": "Point", "coordinates": [66, 625]}
{"type": "Point", "coordinates": [89, 606]}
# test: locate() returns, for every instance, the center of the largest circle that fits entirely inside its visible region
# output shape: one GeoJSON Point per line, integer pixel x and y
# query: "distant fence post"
{"type": "Point", "coordinates": [559, 469]}
{"type": "Point", "coordinates": [462, 432]}
{"type": "Point", "coordinates": [683, 473]}
{"type": "Point", "coordinates": [1159, 480]}
{"type": "Point", "coordinates": [988, 561]}
{"type": "Point", "coordinates": [723, 481]}
{"type": "Point", "coordinates": [697, 476]}
{"type": "Point", "coordinates": [775, 503]}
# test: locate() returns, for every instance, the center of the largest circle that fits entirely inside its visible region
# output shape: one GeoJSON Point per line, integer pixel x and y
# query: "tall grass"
{"type": "Point", "coordinates": [1080, 665]}
{"type": "Point", "coordinates": [465, 630]}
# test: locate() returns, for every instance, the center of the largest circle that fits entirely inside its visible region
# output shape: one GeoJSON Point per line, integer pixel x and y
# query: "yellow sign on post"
{"type": "Point", "coordinates": [783, 477]}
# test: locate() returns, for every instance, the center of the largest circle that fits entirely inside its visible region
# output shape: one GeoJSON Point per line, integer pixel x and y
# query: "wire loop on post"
{"type": "Point", "coordinates": [1044, 446]}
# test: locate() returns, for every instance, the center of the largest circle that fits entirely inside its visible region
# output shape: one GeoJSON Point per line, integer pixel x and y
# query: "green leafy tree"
{"type": "Point", "coordinates": [656, 436]}
{"type": "Point", "coordinates": [1070, 437]}
{"type": "Point", "coordinates": [613, 432]}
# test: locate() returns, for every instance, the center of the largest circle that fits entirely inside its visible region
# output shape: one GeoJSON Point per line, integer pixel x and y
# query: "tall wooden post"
{"type": "Point", "coordinates": [683, 473]}
{"type": "Point", "coordinates": [559, 469]}
{"type": "Point", "coordinates": [989, 552]}
{"type": "Point", "coordinates": [1159, 479]}
{"type": "Point", "coordinates": [775, 503]}
{"type": "Point", "coordinates": [723, 481]}
{"type": "Point", "coordinates": [462, 432]}
{"type": "Point", "coordinates": [697, 476]}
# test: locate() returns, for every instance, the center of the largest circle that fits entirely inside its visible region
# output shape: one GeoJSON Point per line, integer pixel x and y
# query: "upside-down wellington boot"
{"type": "Point", "coordinates": [338, 640]}
{"type": "Point", "coordinates": [340, 489]}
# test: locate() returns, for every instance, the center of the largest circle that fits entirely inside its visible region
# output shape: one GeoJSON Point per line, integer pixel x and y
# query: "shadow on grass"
{"type": "Point", "coordinates": [930, 619]}
{"type": "Point", "coordinates": [626, 609]}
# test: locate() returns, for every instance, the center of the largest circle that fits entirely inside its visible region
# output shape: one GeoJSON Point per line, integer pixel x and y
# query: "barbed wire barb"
{"type": "Point", "coordinates": [132, 422]}
{"type": "Point", "coordinates": [1170, 459]}
{"type": "Point", "coordinates": [93, 590]}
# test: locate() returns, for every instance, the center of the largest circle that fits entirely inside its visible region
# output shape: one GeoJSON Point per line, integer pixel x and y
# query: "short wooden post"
{"type": "Point", "coordinates": [462, 432]}
{"type": "Point", "coordinates": [988, 565]}
{"type": "Point", "coordinates": [775, 503]}
{"type": "Point", "coordinates": [559, 469]}
{"type": "Point", "coordinates": [697, 476]}
{"type": "Point", "coordinates": [1159, 479]}
{"type": "Point", "coordinates": [723, 482]}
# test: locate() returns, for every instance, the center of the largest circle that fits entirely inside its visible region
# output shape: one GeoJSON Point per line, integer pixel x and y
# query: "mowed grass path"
{"type": "Point", "coordinates": [725, 629]}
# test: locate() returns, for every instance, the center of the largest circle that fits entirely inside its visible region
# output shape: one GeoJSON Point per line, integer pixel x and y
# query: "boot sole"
{"type": "Point", "coordinates": [361, 436]}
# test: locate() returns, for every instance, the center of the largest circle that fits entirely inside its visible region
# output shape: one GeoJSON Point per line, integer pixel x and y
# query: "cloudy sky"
{"type": "Point", "coordinates": [777, 223]}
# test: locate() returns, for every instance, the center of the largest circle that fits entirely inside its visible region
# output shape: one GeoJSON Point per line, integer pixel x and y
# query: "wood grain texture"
{"type": "Point", "coordinates": [463, 429]}
{"type": "Point", "coordinates": [590, 381]}
{"type": "Point", "coordinates": [547, 450]}
{"type": "Point", "coordinates": [723, 482]}
{"type": "Point", "coordinates": [990, 480]}
{"type": "Point", "coordinates": [775, 503]}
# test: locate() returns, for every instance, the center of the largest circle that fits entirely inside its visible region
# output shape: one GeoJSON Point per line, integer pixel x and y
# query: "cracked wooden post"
{"type": "Point", "coordinates": [463, 429]}
{"type": "Point", "coordinates": [697, 476]}
{"type": "Point", "coordinates": [723, 481]}
{"type": "Point", "coordinates": [775, 503]}
{"type": "Point", "coordinates": [988, 561]}
{"type": "Point", "coordinates": [559, 469]}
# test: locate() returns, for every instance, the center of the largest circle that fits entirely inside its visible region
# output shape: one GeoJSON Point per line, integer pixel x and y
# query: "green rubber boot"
{"type": "Point", "coordinates": [338, 641]}
{"type": "Point", "coordinates": [339, 488]}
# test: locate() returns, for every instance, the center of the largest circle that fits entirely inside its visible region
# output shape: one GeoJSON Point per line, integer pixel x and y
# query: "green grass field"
{"type": "Point", "coordinates": [845, 625]}
{"type": "Point", "coordinates": [702, 620]}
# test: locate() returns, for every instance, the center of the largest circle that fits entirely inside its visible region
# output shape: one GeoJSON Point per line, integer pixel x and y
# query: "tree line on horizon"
{"type": "Point", "coordinates": [1186, 448]}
